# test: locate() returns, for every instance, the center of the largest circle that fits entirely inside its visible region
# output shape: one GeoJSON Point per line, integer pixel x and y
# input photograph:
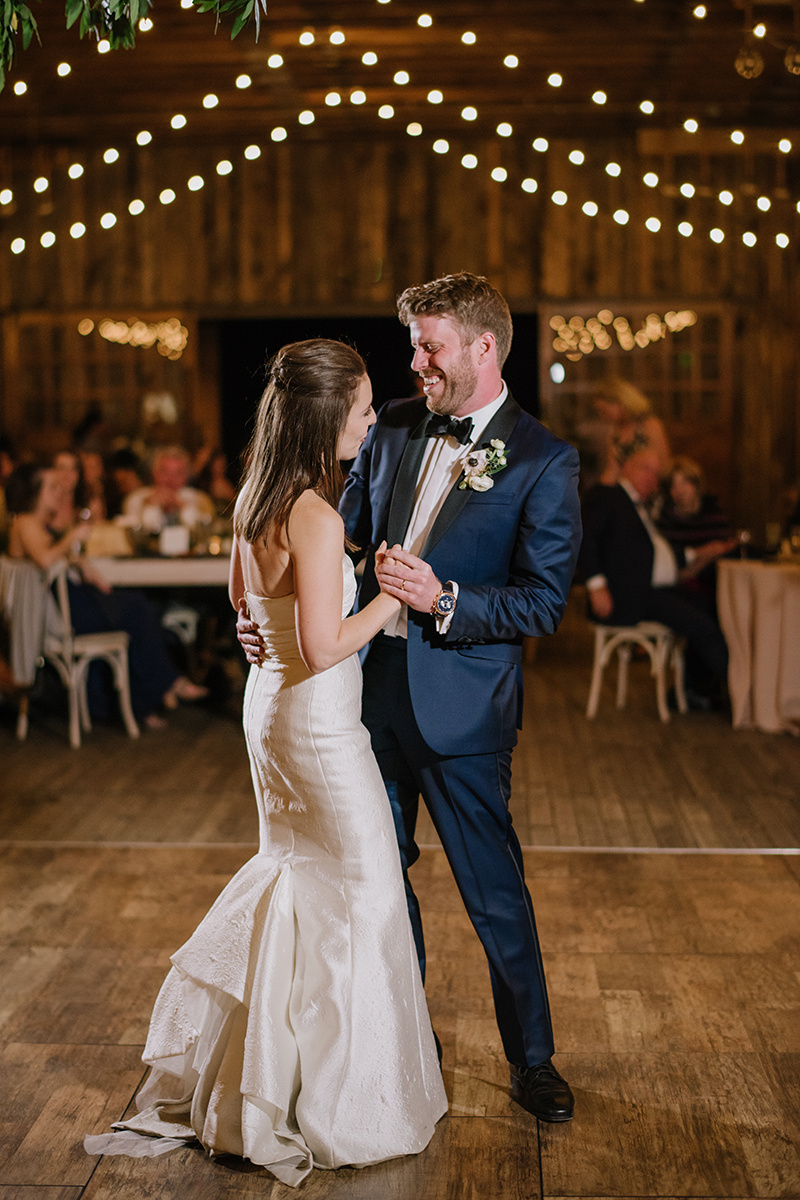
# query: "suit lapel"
{"type": "Point", "coordinates": [500, 427]}
{"type": "Point", "coordinates": [405, 484]}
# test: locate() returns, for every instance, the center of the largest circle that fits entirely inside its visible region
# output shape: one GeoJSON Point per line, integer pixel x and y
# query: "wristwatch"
{"type": "Point", "coordinates": [444, 602]}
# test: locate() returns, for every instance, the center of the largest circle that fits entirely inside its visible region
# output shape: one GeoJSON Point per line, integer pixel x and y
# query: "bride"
{"type": "Point", "coordinates": [292, 1028]}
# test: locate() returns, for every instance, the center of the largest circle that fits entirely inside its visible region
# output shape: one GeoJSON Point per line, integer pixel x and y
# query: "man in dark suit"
{"type": "Point", "coordinates": [632, 574]}
{"type": "Point", "coordinates": [479, 504]}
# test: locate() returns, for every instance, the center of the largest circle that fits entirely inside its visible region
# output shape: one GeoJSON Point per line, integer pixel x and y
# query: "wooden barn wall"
{"type": "Point", "coordinates": [340, 227]}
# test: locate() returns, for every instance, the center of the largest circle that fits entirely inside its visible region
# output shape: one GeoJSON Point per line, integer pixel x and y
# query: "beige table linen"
{"type": "Point", "coordinates": [759, 611]}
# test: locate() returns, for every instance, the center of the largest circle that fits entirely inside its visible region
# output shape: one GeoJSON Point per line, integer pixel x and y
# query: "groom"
{"type": "Point", "coordinates": [478, 504]}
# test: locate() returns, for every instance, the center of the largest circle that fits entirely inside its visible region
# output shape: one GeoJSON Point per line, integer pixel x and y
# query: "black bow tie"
{"type": "Point", "coordinates": [460, 430]}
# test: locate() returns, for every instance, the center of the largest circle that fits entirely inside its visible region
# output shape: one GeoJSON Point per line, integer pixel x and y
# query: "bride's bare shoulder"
{"type": "Point", "coordinates": [312, 516]}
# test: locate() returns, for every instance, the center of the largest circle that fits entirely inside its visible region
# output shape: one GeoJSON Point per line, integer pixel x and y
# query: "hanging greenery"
{"type": "Point", "coordinates": [114, 20]}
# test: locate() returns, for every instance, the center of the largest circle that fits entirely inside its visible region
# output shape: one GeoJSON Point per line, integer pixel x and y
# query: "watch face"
{"type": "Point", "coordinates": [445, 604]}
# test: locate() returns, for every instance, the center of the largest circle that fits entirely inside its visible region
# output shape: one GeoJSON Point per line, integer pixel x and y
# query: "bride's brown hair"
{"type": "Point", "coordinates": [301, 416]}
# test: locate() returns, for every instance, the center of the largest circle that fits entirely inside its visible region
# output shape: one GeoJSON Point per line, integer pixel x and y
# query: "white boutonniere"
{"type": "Point", "coordinates": [480, 465]}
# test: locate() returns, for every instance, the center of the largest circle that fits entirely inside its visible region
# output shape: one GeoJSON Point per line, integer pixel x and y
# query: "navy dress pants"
{"type": "Point", "coordinates": [467, 797]}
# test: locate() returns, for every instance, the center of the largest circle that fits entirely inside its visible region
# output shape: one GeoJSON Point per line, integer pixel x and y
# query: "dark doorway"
{"type": "Point", "coordinates": [246, 345]}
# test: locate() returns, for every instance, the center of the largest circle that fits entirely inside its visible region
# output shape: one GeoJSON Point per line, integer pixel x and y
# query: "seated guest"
{"type": "Point", "coordinates": [632, 574]}
{"type": "Point", "coordinates": [124, 476]}
{"type": "Point", "coordinates": [693, 523]}
{"type": "Point", "coordinates": [625, 424]}
{"type": "Point", "coordinates": [211, 476]}
{"type": "Point", "coordinates": [73, 501]}
{"type": "Point", "coordinates": [33, 495]}
{"type": "Point", "coordinates": [168, 501]}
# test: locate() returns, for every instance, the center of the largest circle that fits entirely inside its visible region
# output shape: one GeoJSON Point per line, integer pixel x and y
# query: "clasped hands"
{"type": "Point", "coordinates": [406, 577]}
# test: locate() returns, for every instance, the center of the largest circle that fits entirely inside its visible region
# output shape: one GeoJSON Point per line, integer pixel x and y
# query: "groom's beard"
{"type": "Point", "coordinates": [460, 383]}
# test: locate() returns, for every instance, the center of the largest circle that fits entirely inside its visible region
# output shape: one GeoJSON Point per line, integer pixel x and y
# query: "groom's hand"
{"type": "Point", "coordinates": [249, 637]}
{"type": "Point", "coordinates": [408, 578]}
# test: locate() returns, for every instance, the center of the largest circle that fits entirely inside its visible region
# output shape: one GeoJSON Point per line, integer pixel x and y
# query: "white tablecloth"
{"type": "Point", "coordinates": [165, 572]}
{"type": "Point", "coordinates": [759, 611]}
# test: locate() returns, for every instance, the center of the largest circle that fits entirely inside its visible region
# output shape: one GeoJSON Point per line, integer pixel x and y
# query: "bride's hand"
{"type": "Point", "coordinates": [383, 568]}
{"type": "Point", "coordinates": [248, 635]}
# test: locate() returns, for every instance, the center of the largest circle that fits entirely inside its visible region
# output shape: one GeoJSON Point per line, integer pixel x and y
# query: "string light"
{"type": "Point", "coordinates": [590, 208]}
{"type": "Point", "coordinates": [18, 245]}
{"type": "Point", "coordinates": [210, 101]}
{"type": "Point", "coordinates": [653, 224]}
{"type": "Point", "coordinates": [685, 229]}
{"type": "Point", "coordinates": [252, 152]}
{"type": "Point", "coordinates": [75, 171]}
{"type": "Point", "coordinates": [414, 129]}
{"type": "Point", "coordinates": [111, 155]}
{"type": "Point", "coordinates": [782, 240]}
{"type": "Point", "coordinates": [599, 97]}
{"type": "Point", "coordinates": [764, 203]}
{"type": "Point", "coordinates": [469, 113]}
{"type": "Point", "coordinates": [760, 30]}
{"type": "Point", "coordinates": [511, 61]}
{"type": "Point", "coordinates": [136, 207]}
{"type": "Point", "coordinates": [555, 80]}
{"type": "Point", "coordinates": [224, 167]}
{"type": "Point", "coordinates": [369, 59]}
{"type": "Point", "coordinates": [307, 37]}
{"type": "Point", "coordinates": [717, 235]}
{"type": "Point", "coordinates": [274, 61]}
{"type": "Point", "coordinates": [576, 157]}
{"type": "Point", "coordinates": [647, 106]}
{"type": "Point", "coordinates": [358, 97]}
{"type": "Point", "coordinates": [749, 238]}
{"type": "Point", "coordinates": [435, 97]}
{"type": "Point", "coordinates": [145, 25]}
{"type": "Point", "coordinates": [691, 125]}
{"type": "Point", "coordinates": [613, 169]}
{"type": "Point", "coordinates": [63, 68]}
{"type": "Point", "coordinates": [178, 121]}
{"type": "Point", "coordinates": [469, 38]}
{"type": "Point", "coordinates": [560, 198]}
{"type": "Point", "coordinates": [243, 81]}
{"type": "Point", "coordinates": [20, 88]}
{"type": "Point", "coordinates": [401, 77]}
{"type": "Point", "coordinates": [725, 197]}
{"type": "Point", "coordinates": [195, 183]}
{"type": "Point", "coordinates": [699, 11]}
{"type": "Point", "coordinates": [650, 179]}
{"type": "Point", "coordinates": [144, 137]}
{"type": "Point", "coordinates": [6, 196]}
{"type": "Point", "coordinates": [167, 196]}
{"type": "Point", "coordinates": [108, 220]}
{"type": "Point", "coordinates": [77, 230]}
{"type": "Point", "coordinates": [500, 174]}
{"type": "Point", "coordinates": [333, 99]}
{"type": "Point", "coordinates": [469, 161]}
{"type": "Point", "coordinates": [504, 129]}
{"type": "Point", "coordinates": [278, 134]}
{"type": "Point", "coordinates": [737, 136]}
{"type": "Point", "coordinates": [441, 146]}
{"type": "Point", "coordinates": [621, 216]}
{"type": "Point", "coordinates": [541, 144]}
{"type": "Point", "coordinates": [687, 189]}
{"type": "Point", "coordinates": [306, 117]}
{"type": "Point", "coordinates": [425, 20]}
{"type": "Point", "coordinates": [530, 186]}
{"type": "Point", "coordinates": [41, 184]}
{"type": "Point", "coordinates": [103, 46]}
{"type": "Point", "coordinates": [48, 239]}
{"type": "Point", "coordinates": [337, 38]}
{"type": "Point", "coordinates": [784, 145]}
{"type": "Point", "coordinates": [386, 112]}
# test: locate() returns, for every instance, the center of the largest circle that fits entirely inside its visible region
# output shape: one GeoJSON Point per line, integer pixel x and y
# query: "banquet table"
{"type": "Point", "coordinates": [759, 611]}
{"type": "Point", "coordinates": [154, 571]}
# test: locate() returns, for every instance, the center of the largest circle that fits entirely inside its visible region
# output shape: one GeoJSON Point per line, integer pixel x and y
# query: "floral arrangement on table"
{"type": "Point", "coordinates": [480, 465]}
{"type": "Point", "coordinates": [114, 20]}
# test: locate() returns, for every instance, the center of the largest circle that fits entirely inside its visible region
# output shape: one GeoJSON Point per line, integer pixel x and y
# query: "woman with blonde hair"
{"type": "Point", "coordinates": [629, 425]}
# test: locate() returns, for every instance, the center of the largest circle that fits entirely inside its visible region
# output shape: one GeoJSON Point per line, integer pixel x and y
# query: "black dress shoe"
{"type": "Point", "coordinates": [541, 1090]}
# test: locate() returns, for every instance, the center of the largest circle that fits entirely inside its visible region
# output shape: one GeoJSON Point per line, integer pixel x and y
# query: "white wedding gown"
{"type": "Point", "coordinates": [292, 1028]}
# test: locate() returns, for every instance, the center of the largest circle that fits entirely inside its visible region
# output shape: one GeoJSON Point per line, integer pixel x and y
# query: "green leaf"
{"type": "Point", "coordinates": [74, 9]}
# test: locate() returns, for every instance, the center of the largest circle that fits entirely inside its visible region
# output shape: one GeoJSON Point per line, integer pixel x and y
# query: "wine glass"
{"type": "Point", "coordinates": [744, 538]}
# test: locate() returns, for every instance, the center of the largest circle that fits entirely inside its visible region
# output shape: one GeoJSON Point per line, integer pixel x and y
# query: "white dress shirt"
{"type": "Point", "coordinates": [441, 467]}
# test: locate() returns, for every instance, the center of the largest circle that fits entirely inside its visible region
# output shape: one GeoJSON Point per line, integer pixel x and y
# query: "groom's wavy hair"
{"type": "Point", "coordinates": [301, 416]}
{"type": "Point", "coordinates": [468, 299]}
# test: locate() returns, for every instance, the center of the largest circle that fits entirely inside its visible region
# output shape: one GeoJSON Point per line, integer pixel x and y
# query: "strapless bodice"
{"type": "Point", "coordinates": [274, 616]}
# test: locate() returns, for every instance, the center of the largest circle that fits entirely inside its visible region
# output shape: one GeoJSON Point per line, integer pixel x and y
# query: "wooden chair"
{"type": "Point", "coordinates": [52, 637]}
{"type": "Point", "coordinates": [663, 647]}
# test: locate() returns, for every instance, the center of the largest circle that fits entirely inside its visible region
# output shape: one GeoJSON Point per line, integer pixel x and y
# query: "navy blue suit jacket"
{"type": "Point", "coordinates": [512, 551]}
{"type": "Point", "coordinates": [616, 544]}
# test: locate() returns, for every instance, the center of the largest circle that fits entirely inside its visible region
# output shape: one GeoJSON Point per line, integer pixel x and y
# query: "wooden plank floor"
{"type": "Point", "coordinates": [674, 977]}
